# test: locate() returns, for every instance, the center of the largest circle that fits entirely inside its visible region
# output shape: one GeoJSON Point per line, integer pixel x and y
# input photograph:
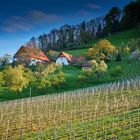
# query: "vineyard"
{"type": "Point", "coordinates": [105, 112]}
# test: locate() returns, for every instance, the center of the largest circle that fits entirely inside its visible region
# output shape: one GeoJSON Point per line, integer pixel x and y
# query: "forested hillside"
{"type": "Point", "coordinates": [72, 36]}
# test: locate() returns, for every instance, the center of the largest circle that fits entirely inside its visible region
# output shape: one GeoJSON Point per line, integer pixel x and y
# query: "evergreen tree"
{"type": "Point", "coordinates": [112, 20]}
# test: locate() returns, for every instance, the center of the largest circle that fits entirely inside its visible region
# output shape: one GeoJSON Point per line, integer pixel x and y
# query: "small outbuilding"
{"type": "Point", "coordinates": [86, 65]}
{"type": "Point", "coordinates": [77, 59]}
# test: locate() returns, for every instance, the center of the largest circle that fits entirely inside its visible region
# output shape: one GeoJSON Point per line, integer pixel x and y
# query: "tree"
{"type": "Point", "coordinates": [85, 36]}
{"type": "Point", "coordinates": [16, 78]}
{"type": "Point", "coordinates": [62, 39]}
{"type": "Point", "coordinates": [101, 51]}
{"type": "Point", "coordinates": [99, 32]}
{"type": "Point", "coordinates": [112, 20]}
{"type": "Point", "coordinates": [131, 15]}
{"type": "Point", "coordinates": [52, 55]}
{"type": "Point", "coordinates": [43, 42]}
{"type": "Point", "coordinates": [49, 76]}
{"type": "Point", "coordinates": [32, 43]}
{"type": "Point", "coordinates": [96, 68]}
{"type": "Point", "coordinates": [5, 59]}
{"type": "Point", "coordinates": [71, 38]}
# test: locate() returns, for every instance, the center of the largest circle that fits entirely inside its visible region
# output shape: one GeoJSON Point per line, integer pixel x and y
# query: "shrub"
{"type": "Point", "coordinates": [117, 71]}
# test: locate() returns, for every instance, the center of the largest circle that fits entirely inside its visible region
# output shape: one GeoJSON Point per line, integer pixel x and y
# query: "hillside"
{"type": "Point", "coordinates": [116, 39]}
{"type": "Point", "coordinates": [129, 69]}
{"type": "Point", "coordinates": [77, 77]}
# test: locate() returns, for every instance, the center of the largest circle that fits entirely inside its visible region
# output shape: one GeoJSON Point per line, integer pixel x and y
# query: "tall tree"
{"type": "Point", "coordinates": [85, 36]}
{"type": "Point", "coordinates": [112, 20]}
{"type": "Point", "coordinates": [82, 32]}
{"type": "Point", "coordinates": [71, 37]}
{"type": "Point", "coordinates": [131, 15]}
{"type": "Point", "coordinates": [43, 42]}
{"type": "Point", "coordinates": [99, 31]}
{"type": "Point", "coordinates": [32, 43]}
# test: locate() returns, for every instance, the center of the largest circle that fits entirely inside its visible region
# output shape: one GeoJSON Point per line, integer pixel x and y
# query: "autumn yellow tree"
{"type": "Point", "coordinates": [96, 68]}
{"type": "Point", "coordinates": [16, 78]}
{"type": "Point", "coordinates": [49, 76]}
{"type": "Point", "coordinates": [101, 50]}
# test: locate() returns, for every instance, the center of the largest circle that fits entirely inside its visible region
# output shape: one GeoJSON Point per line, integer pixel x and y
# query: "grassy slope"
{"type": "Point", "coordinates": [72, 73]}
{"type": "Point", "coordinates": [115, 39]}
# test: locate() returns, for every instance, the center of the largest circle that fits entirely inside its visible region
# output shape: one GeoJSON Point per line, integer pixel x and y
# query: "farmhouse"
{"type": "Point", "coordinates": [30, 56]}
{"type": "Point", "coordinates": [64, 58]}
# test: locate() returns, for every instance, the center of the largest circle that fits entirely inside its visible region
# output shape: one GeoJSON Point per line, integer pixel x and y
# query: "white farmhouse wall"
{"type": "Point", "coordinates": [34, 61]}
{"type": "Point", "coordinates": [62, 60]}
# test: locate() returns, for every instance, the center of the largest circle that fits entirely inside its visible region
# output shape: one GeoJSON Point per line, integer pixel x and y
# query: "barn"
{"type": "Point", "coordinates": [30, 56]}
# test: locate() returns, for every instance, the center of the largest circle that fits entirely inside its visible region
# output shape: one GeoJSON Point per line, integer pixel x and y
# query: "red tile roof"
{"type": "Point", "coordinates": [31, 53]}
{"type": "Point", "coordinates": [67, 56]}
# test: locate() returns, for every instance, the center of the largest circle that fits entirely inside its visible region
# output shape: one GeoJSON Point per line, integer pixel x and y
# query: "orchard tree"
{"type": "Point", "coordinates": [96, 68]}
{"type": "Point", "coordinates": [101, 51]}
{"type": "Point", "coordinates": [49, 76]}
{"type": "Point", "coordinates": [16, 78]}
